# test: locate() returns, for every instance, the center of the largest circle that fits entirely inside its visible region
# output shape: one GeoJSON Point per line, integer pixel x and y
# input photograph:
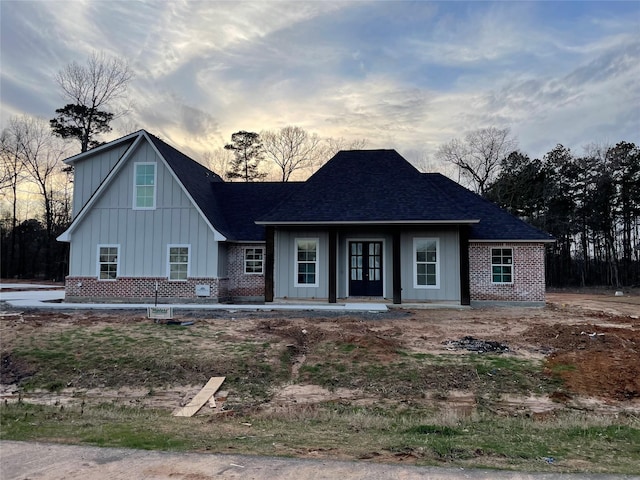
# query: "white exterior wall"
{"type": "Point", "coordinates": [285, 265]}
{"type": "Point", "coordinates": [89, 173]}
{"type": "Point", "coordinates": [448, 255]}
{"type": "Point", "coordinates": [449, 263]}
{"type": "Point", "coordinates": [143, 235]}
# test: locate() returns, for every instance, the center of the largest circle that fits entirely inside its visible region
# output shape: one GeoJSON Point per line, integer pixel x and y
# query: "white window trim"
{"type": "Point", "coordinates": [135, 185]}
{"type": "Point", "coordinates": [178, 245]}
{"type": "Point", "coordinates": [244, 260]}
{"type": "Point", "coordinates": [414, 261]}
{"type": "Point", "coordinates": [107, 245]}
{"type": "Point", "coordinates": [296, 264]}
{"type": "Point", "coordinates": [491, 264]}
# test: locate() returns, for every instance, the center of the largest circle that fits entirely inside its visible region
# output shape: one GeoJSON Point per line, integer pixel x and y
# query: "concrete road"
{"type": "Point", "coordinates": [40, 461]}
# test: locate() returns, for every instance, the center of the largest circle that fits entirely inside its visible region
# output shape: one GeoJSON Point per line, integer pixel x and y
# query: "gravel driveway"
{"type": "Point", "coordinates": [31, 461]}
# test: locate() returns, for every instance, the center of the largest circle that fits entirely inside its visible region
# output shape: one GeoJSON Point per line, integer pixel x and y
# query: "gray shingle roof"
{"type": "Point", "coordinates": [359, 186]}
{"type": "Point", "coordinates": [242, 203]}
{"type": "Point", "coordinates": [495, 223]}
{"type": "Point", "coordinates": [231, 208]}
{"type": "Point", "coordinates": [367, 186]}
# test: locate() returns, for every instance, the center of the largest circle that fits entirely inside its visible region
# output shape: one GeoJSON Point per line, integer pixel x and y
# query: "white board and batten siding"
{"type": "Point", "coordinates": [143, 235]}
{"type": "Point", "coordinates": [449, 266]}
{"type": "Point", "coordinates": [90, 172]}
{"type": "Point", "coordinates": [285, 268]}
{"type": "Point", "coordinates": [448, 288]}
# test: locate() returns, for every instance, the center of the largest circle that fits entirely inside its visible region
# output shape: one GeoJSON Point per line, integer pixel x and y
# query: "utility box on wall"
{"type": "Point", "coordinates": [203, 290]}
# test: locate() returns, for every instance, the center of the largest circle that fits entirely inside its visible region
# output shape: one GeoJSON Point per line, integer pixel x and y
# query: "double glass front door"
{"type": "Point", "coordinates": [365, 269]}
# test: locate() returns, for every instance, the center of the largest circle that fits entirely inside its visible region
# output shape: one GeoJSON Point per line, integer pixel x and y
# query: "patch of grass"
{"type": "Point", "coordinates": [400, 424]}
{"type": "Point", "coordinates": [561, 368]}
{"type": "Point", "coordinates": [433, 430]}
{"type": "Point", "coordinates": [414, 375]}
{"type": "Point", "coordinates": [82, 357]}
{"type": "Point", "coordinates": [428, 436]}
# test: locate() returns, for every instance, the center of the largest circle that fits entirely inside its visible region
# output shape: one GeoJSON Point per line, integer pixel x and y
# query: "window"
{"type": "Point", "coordinates": [306, 262]}
{"type": "Point", "coordinates": [144, 186]}
{"type": "Point", "coordinates": [426, 266]}
{"type": "Point", "coordinates": [502, 265]}
{"type": "Point", "coordinates": [178, 262]}
{"type": "Point", "coordinates": [108, 256]}
{"type": "Point", "coordinates": [253, 260]}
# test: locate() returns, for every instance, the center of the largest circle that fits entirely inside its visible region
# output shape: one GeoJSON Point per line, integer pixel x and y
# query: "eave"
{"type": "Point", "coordinates": [370, 222]}
{"type": "Point", "coordinates": [519, 240]}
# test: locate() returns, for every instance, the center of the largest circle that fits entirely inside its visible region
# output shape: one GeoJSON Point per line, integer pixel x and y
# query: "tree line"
{"type": "Point", "coordinates": [590, 203]}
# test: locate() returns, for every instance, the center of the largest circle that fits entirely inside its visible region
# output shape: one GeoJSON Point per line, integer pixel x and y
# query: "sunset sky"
{"type": "Point", "coordinates": [403, 75]}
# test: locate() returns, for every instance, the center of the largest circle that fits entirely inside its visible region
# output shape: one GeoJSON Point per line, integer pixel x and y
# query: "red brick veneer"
{"type": "Point", "coordinates": [240, 283]}
{"type": "Point", "coordinates": [528, 273]}
{"type": "Point", "coordinates": [140, 289]}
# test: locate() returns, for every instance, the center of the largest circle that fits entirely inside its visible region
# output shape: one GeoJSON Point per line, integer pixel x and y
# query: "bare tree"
{"type": "Point", "coordinates": [330, 146]}
{"type": "Point", "coordinates": [290, 148]}
{"type": "Point", "coordinates": [33, 144]}
{"type": "Point", "coordinates": [12, 174]}
{"type": "Point", "coordinates": [90, 89]}
{"type": "Point", "coordinates": [478, 156]}
{"type": "Point", "coordinates": [218, 161]}
{"type": "Point", "coordinates": [334, 145]}
{"type": "Point", "coordinates": [41, 154]}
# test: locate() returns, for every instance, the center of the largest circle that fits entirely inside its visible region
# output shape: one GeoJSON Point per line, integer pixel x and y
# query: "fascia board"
{"type": "Point", "coordinates": [520, 240]}
{"type": "Point", "coordinates": [106, 146]}
{"type": "Point", "coordinates": [374, 222]}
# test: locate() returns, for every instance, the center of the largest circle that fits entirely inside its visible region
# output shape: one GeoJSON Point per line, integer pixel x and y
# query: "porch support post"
{"type": "Point", "coordinates": [269, 263]}
{"type": "Point", "coordinates": [333, 260]}
{"type": "Point", "coordinates": [397, 270]}
{"type": "Point", "coordinates": [465, 288]}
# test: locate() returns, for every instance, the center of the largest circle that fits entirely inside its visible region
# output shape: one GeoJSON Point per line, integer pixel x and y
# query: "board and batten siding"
{"type": "Point", "coordinates": [143, 235]}
{"type": "Point", "coordinates": [285, 265]}
{"type": "Point", "coordinates": [89, 173]}
{"type": "Point", "coordinates": [449, 259]}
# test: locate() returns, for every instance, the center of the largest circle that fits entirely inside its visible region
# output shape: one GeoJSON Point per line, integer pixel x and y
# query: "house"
{"type": "Point", "coordinates": [149, 220]}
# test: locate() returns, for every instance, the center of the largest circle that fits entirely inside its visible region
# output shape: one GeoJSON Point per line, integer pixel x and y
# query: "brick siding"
{"type": "Point", "coordinates": [242, 285]}
{"type": "Point", "coordinates": [237, 285]}
{"type": "Point", "coordinates": [133, 289]}
{"type": "Point", "coordinates": [528, 273]}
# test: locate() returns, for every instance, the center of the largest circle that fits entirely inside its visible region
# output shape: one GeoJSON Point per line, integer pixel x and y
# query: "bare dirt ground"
{"type": "Point", "coordinates": [599, 334]}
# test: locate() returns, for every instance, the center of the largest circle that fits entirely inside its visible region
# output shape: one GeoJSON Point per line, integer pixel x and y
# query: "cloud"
{"type": "Point", "coordinates": [406, 75]}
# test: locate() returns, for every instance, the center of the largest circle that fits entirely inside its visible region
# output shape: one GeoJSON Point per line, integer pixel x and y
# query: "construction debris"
{"type": "Point", "coordinates": [475, 345]}
{"type": "Point", "coordinates": [207, 392]}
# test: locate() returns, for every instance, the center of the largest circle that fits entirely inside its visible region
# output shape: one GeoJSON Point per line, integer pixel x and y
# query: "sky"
{"type": "Point", "coordinates": [404, 75]}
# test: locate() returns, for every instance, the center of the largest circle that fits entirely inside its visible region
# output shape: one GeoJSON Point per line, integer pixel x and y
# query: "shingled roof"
{"type": "Point", "coordinates": [359, 186]}
{"type": "Point", "coordinates": [242, 203]}
{"type": "Point", "coordinates": [380, 187]}
{"type": "Point", "coordinates": [231, 208]}
{"type": "Point", "coordinates": [367, 186]}
{"type": "Point", "coordinates": [495, 223]}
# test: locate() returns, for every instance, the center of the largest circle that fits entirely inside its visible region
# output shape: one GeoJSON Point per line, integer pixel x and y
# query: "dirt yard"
{"type": "Point", "coordinates": [591, 341]}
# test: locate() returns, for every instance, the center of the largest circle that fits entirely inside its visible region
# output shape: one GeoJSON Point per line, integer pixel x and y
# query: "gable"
{"type": "Point", "coordinates": [90, 171]}
{"type": "Point", "coordinates": [145, 149]}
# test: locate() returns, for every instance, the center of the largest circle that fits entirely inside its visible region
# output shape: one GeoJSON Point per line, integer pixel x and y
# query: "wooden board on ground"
{"type": "Point", "coordinates": [201, 398]}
